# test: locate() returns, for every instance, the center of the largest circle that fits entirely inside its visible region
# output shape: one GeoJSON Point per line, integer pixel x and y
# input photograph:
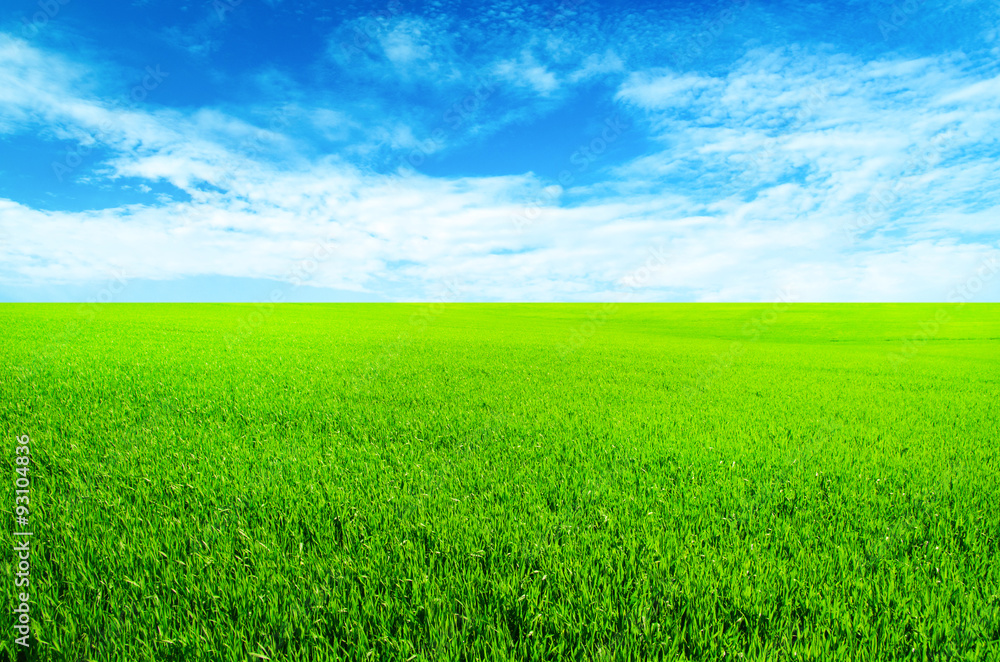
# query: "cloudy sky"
{"type": "Point", "coordinates": [565, 151]}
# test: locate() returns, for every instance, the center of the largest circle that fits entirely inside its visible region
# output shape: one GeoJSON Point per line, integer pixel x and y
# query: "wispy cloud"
{"type": "Point", "coordinates": [801, 167]}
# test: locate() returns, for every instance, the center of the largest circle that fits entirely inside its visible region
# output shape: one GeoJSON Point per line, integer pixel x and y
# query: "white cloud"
{"type": "Point", "coordinates": [404, 48]}
{"type": "Point", "coordinates": [723, 234]}
{"type": "Point", "coordinates": [597, 65]}
{"type": "Point", "coordinates": [405, 44]}
{"type": "Point", "coordinates": [666, 90]}
{"type": "Point", "coordinates": [526, 72]}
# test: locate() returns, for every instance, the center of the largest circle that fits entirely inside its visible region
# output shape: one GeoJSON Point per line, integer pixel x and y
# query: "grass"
{"type": "Point", "coordinates": [473, 481]}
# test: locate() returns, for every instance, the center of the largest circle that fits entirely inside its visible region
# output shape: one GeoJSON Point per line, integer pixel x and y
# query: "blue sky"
{"type": "Point", "coordinates": [569, 151]}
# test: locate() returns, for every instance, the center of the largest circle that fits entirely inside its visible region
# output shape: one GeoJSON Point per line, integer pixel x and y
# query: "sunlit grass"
{"type": "Point", "coordinates": [490, 482]}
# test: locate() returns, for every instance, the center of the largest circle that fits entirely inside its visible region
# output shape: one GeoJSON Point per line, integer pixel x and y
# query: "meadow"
{"type": "Point", "coordinates": [505, 482]}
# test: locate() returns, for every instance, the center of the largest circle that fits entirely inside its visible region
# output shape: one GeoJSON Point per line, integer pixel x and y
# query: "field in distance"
{"type": "Point", "coordinates": [506, 481]}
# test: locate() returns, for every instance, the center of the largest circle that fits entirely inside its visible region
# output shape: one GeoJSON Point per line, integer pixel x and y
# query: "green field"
{"type": "Point", "coordinates": [492, 482]}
